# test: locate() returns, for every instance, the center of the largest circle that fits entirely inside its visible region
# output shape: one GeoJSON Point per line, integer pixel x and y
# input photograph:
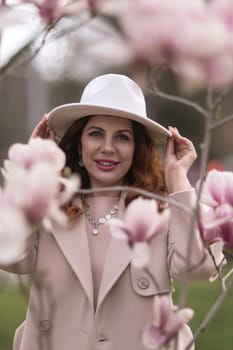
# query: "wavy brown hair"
{"type": "Point", "coordinates": [146, 171]}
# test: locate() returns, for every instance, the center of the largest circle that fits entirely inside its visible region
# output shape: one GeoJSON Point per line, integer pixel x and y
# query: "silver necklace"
{"type": "Point", "coordinates": [100, 221]}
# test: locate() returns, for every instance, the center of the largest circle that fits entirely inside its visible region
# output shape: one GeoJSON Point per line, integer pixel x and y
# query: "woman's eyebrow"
{"type": "Point", "coordinates": [125, 130]}
{"type": "Point", "coordinates": [94, 127]}
{"type": "Point", "coordinates": [117, 131]}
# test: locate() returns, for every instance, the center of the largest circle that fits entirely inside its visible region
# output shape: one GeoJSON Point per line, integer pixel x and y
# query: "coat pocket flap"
{"type": "Point", "coordinates": [144, 283]}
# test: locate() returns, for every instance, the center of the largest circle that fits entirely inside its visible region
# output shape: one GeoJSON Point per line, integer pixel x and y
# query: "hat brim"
{"type": "Point", "coordinates": [62, 117]}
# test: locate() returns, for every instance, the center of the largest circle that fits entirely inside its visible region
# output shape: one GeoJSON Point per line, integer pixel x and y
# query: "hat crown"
{"type": "Point", "coordinates": [115, 91]}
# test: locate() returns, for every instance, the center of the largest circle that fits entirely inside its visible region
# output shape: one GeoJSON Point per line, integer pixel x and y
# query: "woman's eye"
{"type": "Point", "coordinates": [95, 133]}
{"type": "Point", "coordinates": [123, 137]}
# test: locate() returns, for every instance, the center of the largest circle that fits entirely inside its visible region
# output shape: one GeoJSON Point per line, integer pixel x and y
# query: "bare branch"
{"type": "Point", "coordinates": [139, 191]}
{"type": "Point", "coordinates": [19, 53]}
{"type": "Point", "coordinates": [211, 313]}
{"type": "Point", "coordinates": [178, 99]}
{"type": "Point", "coordinates": [221, 96]}
{"type": "Point", "coordinates": [222, 122]}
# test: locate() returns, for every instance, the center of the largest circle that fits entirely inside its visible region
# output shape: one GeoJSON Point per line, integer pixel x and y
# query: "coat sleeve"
{"type": "Point", "coordinates": [25, 264]}
{"type": "Point", "coordinates": [180, 231]}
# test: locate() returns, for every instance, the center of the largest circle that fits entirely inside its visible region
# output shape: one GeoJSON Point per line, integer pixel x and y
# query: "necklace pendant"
{"type": "Point", "coordinates": [94, 231]}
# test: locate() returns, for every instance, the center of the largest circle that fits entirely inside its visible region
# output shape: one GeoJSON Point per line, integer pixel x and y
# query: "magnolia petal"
{"type": "Point", "coordinates": [162, 307]}
{"type": "Point", "coordinates": [216, 223]}
{"type": "Point", "coordinates": [215, 185]}
{"type": "Point", "coordinates": [46, 150]}
{"type": "Point", "coordinates": [75, 8]}
{"type": "Point", "coordinates": [227, 233]}
{"type": "Point", "coordinates": [222, 214]}
{"type": "Point", "coordinates": [140, 211]}
{"type": "Point", "coordinates": [118, 229]}
{"type": "Point", "coordinates": [56, 216]}
{"type": "Point", "coordinates": [142, 218]}
{"type": "Point", "coordinates": [140, 254]}
{"type": "Point", "coordinates": [176, 320]}
{"type": "Point", "coordinates": [152, 337]}
{"type": "Point", "coordinates": [228, 187]}
{"type": "Point", "coordinates": [41, 191]}
{"type": "Point", "coordinates": [160, 223]}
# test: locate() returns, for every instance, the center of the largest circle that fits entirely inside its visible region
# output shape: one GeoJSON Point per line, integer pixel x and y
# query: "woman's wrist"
{"type": "Point", "coordinates": [178, 182]}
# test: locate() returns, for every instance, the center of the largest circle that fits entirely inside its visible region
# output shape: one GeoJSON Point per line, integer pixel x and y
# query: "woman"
{"type": "Point", "coordinates": [86, 294]}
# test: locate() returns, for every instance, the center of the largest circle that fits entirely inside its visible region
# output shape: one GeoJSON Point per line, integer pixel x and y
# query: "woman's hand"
{"type": "Point", "coordinates": [179, 157]}
{"type": "Point", "coordinates": [42, 130]}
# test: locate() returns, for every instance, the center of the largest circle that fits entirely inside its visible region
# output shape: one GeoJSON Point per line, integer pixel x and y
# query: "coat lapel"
{"type": "Point", "coordinates": [117, 258]}
{"type": "Point", "coordinates": [73, 243]}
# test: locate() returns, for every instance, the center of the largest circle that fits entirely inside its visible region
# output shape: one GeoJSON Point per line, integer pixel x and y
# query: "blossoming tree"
{"type": "Point", "coordinates": [194, 40]}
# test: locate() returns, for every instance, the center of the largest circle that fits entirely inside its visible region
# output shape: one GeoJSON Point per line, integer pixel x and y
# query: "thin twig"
{"type": "Point", "coordinates": [210, 99]}
{"type": "Point", "coordinates": [182, 100]}
{"type": "Point", "coordinates": [226, 277]}
{"type": "Point", "coordinates": [37, 51]}
{"type": "Point", "coordinates": [221, 96]}
{"type": "Point", "coordinates": [204, 160]}
{"type": "Point", "coordinates": [222, 122]}
{"type": "Point", "coordinates": [139, 191]}
{"type": "Point", "coordinates": [72, 28]}
{"type": "Point", "coordinates": [210, 314]}
{"type": "Point", "coordinates": [19, 53]}
{"type": "Point", "coordinates": [217, 267]}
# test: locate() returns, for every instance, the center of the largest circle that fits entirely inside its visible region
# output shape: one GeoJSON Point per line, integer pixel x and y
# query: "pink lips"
{"type": "Point", "coordinates": [106, 164]}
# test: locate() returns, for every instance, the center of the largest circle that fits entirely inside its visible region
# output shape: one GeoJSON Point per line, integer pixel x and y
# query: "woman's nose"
{"type": "Point", "coordinates": [108, 145]}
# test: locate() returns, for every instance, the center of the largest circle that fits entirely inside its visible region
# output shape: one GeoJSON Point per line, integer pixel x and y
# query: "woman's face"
{"type": "Point", "coordinates": [107, 144]}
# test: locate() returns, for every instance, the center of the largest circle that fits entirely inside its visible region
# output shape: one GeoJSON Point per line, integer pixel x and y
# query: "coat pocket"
{"type": "Point", "coordinates": [144, 283]}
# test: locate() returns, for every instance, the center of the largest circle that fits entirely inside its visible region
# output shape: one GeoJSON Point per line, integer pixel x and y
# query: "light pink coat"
{"type": "Point", "coordinates": [61, 314]}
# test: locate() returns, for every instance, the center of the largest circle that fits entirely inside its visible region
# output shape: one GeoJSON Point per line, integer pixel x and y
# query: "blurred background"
{"type": "Point", "coordinates": [56, 75]}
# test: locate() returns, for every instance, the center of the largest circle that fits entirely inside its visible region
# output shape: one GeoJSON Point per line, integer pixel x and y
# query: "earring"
{"type": "Point", "coordinates": [80, 162]}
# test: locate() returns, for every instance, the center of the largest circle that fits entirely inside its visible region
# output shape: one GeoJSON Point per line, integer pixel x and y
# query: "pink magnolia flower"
{"type": "Point", "coordinates": [216, 210]}
{"type": "Point", "coordinates": [33, 182]}
{"type": "Point", "coordinates": [141, 223]}
{"type": "Point", "coordinates": [37, 150]}
{"type": "Point", "coordinates": [193, 38]}
{"type": "Point", "coordinates": [167, 322]}
{"type": "Point", "coordinates": [34, 191]}
{"type": "Point", "coordinates": [215, 186]}
{"type": "Point", "coordinates": [209, 234]}
{"type": "Point", "coordinates": [156, 29]}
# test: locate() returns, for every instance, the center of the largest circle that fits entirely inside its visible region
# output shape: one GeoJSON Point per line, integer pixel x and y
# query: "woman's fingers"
{"type": "Point", "coordinates": [42, 130]}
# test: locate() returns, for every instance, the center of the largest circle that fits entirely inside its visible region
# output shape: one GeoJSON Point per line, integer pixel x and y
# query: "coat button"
{"type": "Point", "coordinates": [143, 283]}
{"type": "Point", "coordinates": [44, 326]}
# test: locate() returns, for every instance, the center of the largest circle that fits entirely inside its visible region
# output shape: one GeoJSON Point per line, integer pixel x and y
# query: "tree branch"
{"type": "Point", "coordinates": [222, 122]}
{"type": "Point", "coordinates": [211, 313]}
{"type": "Point", "coordinates": [178, 99]}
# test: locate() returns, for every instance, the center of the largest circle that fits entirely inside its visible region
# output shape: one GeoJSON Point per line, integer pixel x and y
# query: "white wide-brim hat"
{"type": "Point", "coordinates": [109, 94]}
